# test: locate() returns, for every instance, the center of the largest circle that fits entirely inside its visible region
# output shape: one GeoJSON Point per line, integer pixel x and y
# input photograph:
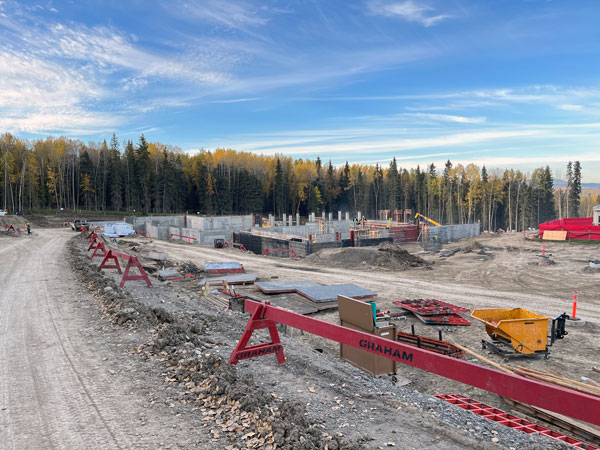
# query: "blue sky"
{"type": "Point", "coordinates": [504, 83]}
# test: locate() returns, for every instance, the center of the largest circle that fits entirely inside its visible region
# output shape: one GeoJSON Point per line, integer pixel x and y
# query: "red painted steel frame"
{"type": "Point", "coordinates": [508, 420]}
{"type": "Point", "coordinates": [94, 243]}
{"type": "Point", "coordinates": [235, 245]}
{"type": "Point", "coordinates": [132, 261]}
{"type": "Point", "coordinates": [189, 238]}
{"type": "Point", "coordinates": [430, 307]}
{"type": "Point", "coordinates": [100, 247]}
{"type": "Point", "coordinates": [257, 322]}
{"type": "Point", "coordinates": [554, 398]}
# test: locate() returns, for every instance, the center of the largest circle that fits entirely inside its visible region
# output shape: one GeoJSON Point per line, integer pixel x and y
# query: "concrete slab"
{"type": "Point", "coordinates": [241, 278]}
{"type": "Point", "coordinates": [281, 287]}
{"type": "Point", "coordinates": [329, 293]}
{"type": "Point", "coordinates": [164, 274]}
{"type": "Point", "coordinates": [223, 267]}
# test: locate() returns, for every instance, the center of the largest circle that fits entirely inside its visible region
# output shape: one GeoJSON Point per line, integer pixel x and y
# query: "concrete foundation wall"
{"type": "Point", "coordinates": [176, 221]}
{"type": "Point", "coordinates": [258, 243]}
{"type": "Point", "coordinates": [219, 222]}
{"type": "Point", "coordinates": [447, 233]}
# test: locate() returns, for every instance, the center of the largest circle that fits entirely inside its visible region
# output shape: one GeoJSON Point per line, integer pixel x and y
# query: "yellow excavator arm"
{"type": "Point", "coordinates": [428, 220]}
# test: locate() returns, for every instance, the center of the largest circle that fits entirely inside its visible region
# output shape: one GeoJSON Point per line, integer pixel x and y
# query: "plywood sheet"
{"type": "Point", "coordinates": [552, 235]}
{"type": "Point", "coordinates": [355, 312]}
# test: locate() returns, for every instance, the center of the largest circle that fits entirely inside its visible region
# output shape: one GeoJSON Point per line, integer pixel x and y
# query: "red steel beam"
{"type": "Point", "coordinates": [554, 398]}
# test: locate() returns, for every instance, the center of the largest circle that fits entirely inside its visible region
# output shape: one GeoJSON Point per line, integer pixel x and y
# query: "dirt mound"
{"type": "Point", "coordinates": [17, 221]}
{"type": "Point", "coordinates": [386, 256]}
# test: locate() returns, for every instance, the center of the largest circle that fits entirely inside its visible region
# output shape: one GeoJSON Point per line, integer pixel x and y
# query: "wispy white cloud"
{"type": "Point", "coordinates": [237, 100]}
{"type": "Point", "coordinates": [409, 10]}
{"type": "Point", "coordinates": [70, 121]}
{"type": "Point", "coordinates": [429, 118]}
{"type": "Point", "coordinates": [368, 143]}
{"type": "Point", "coordinates": [238, 15]}
{"type": "Point", "coordinates": [567, 107]}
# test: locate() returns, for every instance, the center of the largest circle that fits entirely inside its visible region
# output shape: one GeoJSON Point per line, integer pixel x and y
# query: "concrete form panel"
{"type": "Point", "coordinates": [223, 266]}
{"type": "Point", "coordinates": [241, 278]}
{"type": "Point", "coordinates": [280, 287]}
{"type": "Point", "coordinates": [329, 293]}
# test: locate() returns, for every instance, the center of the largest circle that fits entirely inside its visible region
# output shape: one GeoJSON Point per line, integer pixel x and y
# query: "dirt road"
{"type": "Point", "coordinates": [62, 384]}
{"type": "Point", "coordinates": [510, 279]}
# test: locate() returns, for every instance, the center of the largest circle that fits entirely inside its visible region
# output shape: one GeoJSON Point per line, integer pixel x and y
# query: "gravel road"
{"type": "Point", "coordinates": [65, 384]}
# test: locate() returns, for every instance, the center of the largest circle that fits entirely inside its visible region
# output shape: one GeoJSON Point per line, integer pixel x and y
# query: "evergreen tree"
{"type": "Point", "coordinates": [115, 192]}
{"type": "Point", "coordinates": [343, 201]}
{"type": "Point", "coordinates": [143, 172]}
{"type": "Point", "coordinates": [278, 190]}
{"type": "Point", "coordinates": [331, 187]}
{"type": "Point", "coordinates": [132, 187]}
{"type": "Point", "coordinates": [569, 185]}
{"type": "Point", "coordinates": [394, 189]}
{"type": "Point", "coordinates": [575, 190]}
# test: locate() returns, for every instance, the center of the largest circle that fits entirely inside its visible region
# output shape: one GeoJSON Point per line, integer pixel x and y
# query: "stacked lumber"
{"type": "Point", "coordinates": [553, 378]}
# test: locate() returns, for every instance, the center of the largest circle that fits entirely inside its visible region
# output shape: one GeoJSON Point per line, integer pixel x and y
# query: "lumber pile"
{"type": "Point", "coordinates": [553, 378]}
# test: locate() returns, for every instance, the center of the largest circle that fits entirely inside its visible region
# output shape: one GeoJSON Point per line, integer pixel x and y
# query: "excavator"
{"type": "Point", "coordinates": [431, 221]}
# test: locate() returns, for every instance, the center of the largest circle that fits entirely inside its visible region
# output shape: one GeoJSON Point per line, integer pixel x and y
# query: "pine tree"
{"type": "Point", "coordinates": [331, 187]}
{"type": "Point", "coordinates": [575, 191]}
{"type": "Point", "coordinates": [132, 187]}
{"type": "Point", "coordinates": [115, 190]}
{"type": "Point", "coordinates": [343, 201]}
{"type": "Point", "coordinates": [278, 190]}
{"type": "Point", "coordinates": [393, 181]}
{"type": "Point", "coordinates": [569, 185]}
{"type": "Point", "coordinates": [143, 174]}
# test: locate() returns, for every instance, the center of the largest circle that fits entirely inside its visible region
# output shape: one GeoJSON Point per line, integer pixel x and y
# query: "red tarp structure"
{"type": "Point", "coordinates": [576, 228]}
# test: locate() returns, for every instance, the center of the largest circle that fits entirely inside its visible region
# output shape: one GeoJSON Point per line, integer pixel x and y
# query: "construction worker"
{"type": "Point", "coordinates": [28, 228]}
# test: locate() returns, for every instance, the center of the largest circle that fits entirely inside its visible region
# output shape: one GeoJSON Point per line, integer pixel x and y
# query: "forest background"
{"type": "Point", "coordinates": [151, 178]}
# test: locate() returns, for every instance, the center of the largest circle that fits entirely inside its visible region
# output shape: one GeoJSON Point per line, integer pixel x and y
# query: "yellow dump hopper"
{"type": "Point", "coordinates": [526, 331]}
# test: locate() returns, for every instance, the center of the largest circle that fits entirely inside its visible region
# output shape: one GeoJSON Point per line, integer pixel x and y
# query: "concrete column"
{"type": "Point", "coordinates": [359, 216]}
{"type": "Point", "coordinates": [298, 219]}
{"type": "Point", "coordinates": [323, 215]}
{"type": "Point", "coordinates": [313, 217]}
{"type": "Point", "coordinates": [284, 219]}
{"type": "Point", "coordinates": [347, 216]}
{"type": "Point", "coordinates": [291, 220]}
{"type": "Point", "coordinates": [271, 220]}
{"type": "Point", "coordinates": [330, 217]}
{"type": "Point", "coordinates": [339, 216]}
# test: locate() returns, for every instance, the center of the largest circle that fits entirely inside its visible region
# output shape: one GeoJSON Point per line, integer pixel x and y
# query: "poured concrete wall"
{"type": "Point", "coordinates": [176, 221]}
{"type": "Point", "coordinates": [204, 229]}
{"type": "Point", "coordinates": [258, 243]}
{"type": "Point", "coordinates": [447, 233]}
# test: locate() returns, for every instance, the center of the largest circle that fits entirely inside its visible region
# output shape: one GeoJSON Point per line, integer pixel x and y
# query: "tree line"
{"type": "Point", "coordinates": [149, 178]}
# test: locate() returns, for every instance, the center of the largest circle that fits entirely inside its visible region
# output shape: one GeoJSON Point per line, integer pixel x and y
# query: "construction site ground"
{"type": "Point", "coordinates": [84, 361]}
